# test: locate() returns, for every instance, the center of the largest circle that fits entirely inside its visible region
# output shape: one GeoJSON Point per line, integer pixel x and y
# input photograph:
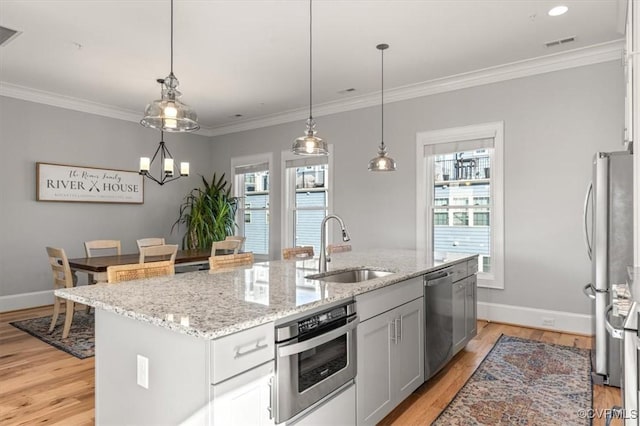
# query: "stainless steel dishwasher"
{"type": "Point", "coordinates": [438, 291]}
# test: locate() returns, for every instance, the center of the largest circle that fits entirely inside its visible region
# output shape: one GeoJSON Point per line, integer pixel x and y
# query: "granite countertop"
{"type": "Point", "coordinates": [212, 304]}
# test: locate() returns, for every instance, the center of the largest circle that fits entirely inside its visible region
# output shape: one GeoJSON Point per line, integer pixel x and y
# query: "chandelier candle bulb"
{"type": "Point", "coordinates": [184, 169]}
{"type": "Point", "coordinates": [168, 166]}
{"type": "Point", "coordinates": [145, 163]}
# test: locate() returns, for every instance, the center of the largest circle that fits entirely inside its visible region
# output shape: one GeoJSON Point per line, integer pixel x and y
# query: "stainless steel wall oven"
{"type": "Point", "coordinates": [315, 355]}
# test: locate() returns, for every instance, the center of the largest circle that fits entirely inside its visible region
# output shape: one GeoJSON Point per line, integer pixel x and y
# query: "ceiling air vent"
{"type": "Point", "coordinates": [6, 35]}
{"type": "Point", "coordinates": [560, 41]}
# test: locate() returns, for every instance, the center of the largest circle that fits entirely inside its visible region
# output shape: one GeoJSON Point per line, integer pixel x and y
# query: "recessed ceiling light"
{"type": "Point", "coordinates": [558, 10]}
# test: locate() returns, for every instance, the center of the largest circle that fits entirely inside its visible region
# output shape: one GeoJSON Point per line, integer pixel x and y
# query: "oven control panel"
{"type": "Point", "coordinates": [312, 323]}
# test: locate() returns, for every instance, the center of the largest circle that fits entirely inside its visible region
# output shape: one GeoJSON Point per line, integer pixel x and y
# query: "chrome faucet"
{"type": "Point", "coordinates": [324, 257]}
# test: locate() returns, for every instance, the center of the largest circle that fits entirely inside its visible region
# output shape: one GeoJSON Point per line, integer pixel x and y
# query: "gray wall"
{"type": "Point", "coordinates": [31, 132]}
{"type": "Point", "coordinates": [553, 124]}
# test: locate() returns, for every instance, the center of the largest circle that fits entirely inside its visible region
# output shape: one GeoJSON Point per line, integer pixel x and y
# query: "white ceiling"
{"type": "Point", "coordinates": [251, 57]}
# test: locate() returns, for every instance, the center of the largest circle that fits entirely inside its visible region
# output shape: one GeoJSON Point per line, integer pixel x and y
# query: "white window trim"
{"type": "Point", "coordinates": [424, 188]}
{"type": "Point", "coordinates": [288, 194]}
{"type": "Point", "coordinates": [266, 157]}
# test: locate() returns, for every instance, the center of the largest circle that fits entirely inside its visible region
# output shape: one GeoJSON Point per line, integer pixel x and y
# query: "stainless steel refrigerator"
{"type": "Point", "coordinates": [608, 228]}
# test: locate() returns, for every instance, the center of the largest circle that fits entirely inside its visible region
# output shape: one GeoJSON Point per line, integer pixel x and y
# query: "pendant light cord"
{"type": "Point", "coordinates": [172, 37]}
{"type": "Point", "coordinates": [382, 102]}
{"type": "Point", "coordinates": [310, 60]}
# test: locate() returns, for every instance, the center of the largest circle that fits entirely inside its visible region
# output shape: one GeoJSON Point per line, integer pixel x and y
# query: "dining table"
{"type": "Point", "coordinates": [97, 266]}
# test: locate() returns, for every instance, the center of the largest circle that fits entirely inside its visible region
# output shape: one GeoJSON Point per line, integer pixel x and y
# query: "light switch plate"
{"type": "Point", "coordinates": [143, 371]}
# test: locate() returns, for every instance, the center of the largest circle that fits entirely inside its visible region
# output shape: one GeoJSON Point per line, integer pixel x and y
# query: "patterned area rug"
{"type": "Point", "coordinates": [80, 342]}
{"type": "Point", "coordinates": [525, 382]}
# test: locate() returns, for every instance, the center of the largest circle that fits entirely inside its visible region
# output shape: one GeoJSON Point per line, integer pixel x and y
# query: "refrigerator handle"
{"type": "Point", "coordinates": [587, 196]}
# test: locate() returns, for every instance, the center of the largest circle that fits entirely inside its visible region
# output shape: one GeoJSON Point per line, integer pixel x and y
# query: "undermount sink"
{"type": "Point", "coordinates": [350, 276]}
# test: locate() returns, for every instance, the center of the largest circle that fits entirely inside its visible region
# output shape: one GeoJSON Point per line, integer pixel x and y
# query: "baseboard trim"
{"type": "Point", "coordinates": [26, 300]}
{"type": "Point", "coordinates": [567, 322]}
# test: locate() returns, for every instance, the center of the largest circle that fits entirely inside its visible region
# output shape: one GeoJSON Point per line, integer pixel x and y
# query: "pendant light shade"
{"type": "Point", "coordinates": [168, 113]}
{"type": "Point", "coordinates": [310, 144]}
{"type": "Point", "coordinates": [382, 162]}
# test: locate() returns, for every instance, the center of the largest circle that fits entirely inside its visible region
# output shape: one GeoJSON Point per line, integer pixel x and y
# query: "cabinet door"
{"type": "Point", "coordinates": [244, 399]}
{"type": "Point", "coordinates": [458, 308]}
{"type": "Point", "coordinates": [471, 307]}
{"type": "Point", "coordinates": [374, 381]}
{"type": "Point", "coordinates": [407, 368]}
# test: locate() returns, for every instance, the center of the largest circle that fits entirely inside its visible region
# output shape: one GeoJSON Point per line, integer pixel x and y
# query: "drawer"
{"type": "Point", "coordinates": [472, 266]}
{"type": "Point", "coordinates": [238, 352]}
{"type": "Point", "coordinates": [386, 298]}
{"type": "Point", "coordinates": [458, 271]}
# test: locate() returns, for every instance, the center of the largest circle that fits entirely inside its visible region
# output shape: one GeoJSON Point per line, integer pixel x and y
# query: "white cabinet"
{"type": "Point", "coordinates": [244, 399]}
{"type": "Point", "coordinates": [390, 351]}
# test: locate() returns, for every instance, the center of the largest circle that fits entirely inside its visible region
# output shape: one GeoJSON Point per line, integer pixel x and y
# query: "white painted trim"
{"type": "Point", "coordinates": [26, 300]}
{"type": "Point", "coordinates": [589, 55]}
{"type": "Point", "coordinates": [424, 191]}
{"type": "Point", "coordinates": [568, 322]}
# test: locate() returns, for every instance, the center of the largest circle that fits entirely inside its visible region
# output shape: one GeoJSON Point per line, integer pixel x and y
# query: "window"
{"type": "Point", "coordinates": [306, 201]}
{"type": "Point", "coordinates": [252, 187]}
{"type": "Point", "coordinates": [459, 191]}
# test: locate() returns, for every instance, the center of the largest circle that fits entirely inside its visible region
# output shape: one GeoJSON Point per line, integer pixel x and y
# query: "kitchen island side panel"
{"type": "Point", "coordinates": [178, 372]}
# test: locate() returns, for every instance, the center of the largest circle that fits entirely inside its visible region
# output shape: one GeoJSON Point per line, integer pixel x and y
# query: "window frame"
{"type": "Point", "coordinates": [239, 191]}
{"type": "Point", "coordinates": [425, 184]}
{"type": "Point", "coordinates": [288, 191]}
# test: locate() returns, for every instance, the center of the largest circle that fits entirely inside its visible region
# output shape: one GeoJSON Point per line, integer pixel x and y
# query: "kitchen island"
{"type": "Point", "coordinates": [167, 349]}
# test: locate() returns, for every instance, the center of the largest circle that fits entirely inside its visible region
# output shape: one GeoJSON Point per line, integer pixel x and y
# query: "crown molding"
{"type": "Point", "coordinates": [67, 102]}
{"type": "Point", "coordinates": [594, 54]}
{"type": "Point", "coordinates": [598, 53]}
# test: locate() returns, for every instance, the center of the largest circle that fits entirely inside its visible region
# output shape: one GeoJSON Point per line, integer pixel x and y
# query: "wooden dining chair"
{"type": "Point", "coordinates": [239, 238]}
{"type": "Point", "coordinates": [230, 261]}
{"type": "Point", "coordinates": [164, 251]}
{"type": "Point", "coordinates": [101, 248]}
{"type": "Point", "coordinates": [62, 278]}
{"type": "Point", "coordinates": [96, 247]}
{"type": "Point", "coordinates": [338, 248]}
{"type": "Point", "coordinates": [297, 252]}
{"type": "Point", "coordinates": [225, 245]}
{"type": "Point", "coordinates": [147, 242]}
{"type": "Point", "coordinates": [138, 271]}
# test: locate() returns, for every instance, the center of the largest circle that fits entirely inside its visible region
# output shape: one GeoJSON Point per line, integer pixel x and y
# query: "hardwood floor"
{"type": "Point", "coordinates": [41, 384]}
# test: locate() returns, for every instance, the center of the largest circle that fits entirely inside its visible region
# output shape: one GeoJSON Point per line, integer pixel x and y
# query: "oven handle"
{"type": "Point", "coordinates": [616, 333]}
{"type": "Point", "coordinates": [296, 348]}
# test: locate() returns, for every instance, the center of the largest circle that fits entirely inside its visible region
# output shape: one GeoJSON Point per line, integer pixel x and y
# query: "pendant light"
{"type": "Point", "coordinates": [310, 144]}
{"type": "Point", "coordinates": [382, 162]}
{"type": "Point", "coordinates": [168, 113]}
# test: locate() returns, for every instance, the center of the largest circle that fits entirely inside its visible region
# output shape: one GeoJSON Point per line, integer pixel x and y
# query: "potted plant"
{"type": "Point", "coordinates": [209, 214]}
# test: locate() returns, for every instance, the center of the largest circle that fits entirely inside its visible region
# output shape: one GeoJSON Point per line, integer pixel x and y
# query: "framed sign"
{"type": "Point", "coordinates": [59, 182]}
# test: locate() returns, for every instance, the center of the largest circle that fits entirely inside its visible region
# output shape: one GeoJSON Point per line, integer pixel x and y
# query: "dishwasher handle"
{"type": "Point", "coordinates": [432, 280]}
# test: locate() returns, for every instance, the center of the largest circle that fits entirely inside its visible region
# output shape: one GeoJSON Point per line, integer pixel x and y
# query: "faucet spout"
{"type": "Point", "coordinates": [324, 257]}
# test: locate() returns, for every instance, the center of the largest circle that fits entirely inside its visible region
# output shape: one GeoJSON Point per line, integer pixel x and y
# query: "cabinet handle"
{"type": "Point", "coordinates": [393, 332]}
{"type": "Point", "coordinates": [270, 407]}
{"type": "Point", "coordinates": [258, 347]}
{"type": "Point", "coordinates": [398, 322]}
